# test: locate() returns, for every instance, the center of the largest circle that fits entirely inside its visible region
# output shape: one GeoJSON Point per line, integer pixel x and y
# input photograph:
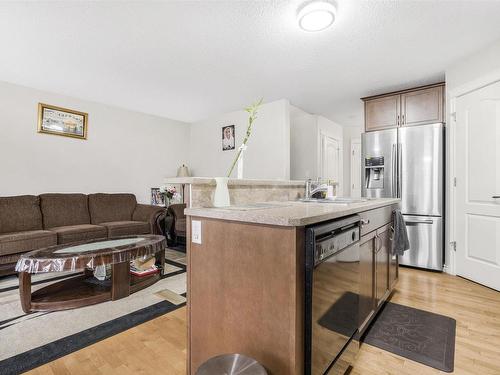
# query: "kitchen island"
{"type": "Point", "coordinates": [247, 279]}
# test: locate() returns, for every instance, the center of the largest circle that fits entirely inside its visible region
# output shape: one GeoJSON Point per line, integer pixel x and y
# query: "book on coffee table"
{"type": "Point", "coordinates": [140, 273]}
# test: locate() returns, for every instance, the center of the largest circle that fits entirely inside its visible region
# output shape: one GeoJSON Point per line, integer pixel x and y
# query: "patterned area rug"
{"type": "Point", "coordinates": [30, 340]}
{"type": "Point", "coordinates": [415, 334]}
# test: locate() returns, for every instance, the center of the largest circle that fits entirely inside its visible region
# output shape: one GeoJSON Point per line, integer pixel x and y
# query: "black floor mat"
{"type": "Point", "coordinates": [415, 334]}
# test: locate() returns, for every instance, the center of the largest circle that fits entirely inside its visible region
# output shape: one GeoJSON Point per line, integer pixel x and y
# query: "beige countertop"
{"type": "Point", "coordinates": [293, 213]}
{"type": "Point", "coordinates": [231, 182]}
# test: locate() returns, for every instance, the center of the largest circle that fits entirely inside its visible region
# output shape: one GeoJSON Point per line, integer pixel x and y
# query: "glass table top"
{"type": "Point", "coordinates": [95, 246]}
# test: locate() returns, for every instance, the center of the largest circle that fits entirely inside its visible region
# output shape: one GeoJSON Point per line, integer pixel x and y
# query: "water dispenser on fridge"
{"type": "Point", "coordinates": [374, 172]}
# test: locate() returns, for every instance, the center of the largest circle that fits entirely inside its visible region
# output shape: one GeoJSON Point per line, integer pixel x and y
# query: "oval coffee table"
{"type": "Point", "coordinates": [82, 289]}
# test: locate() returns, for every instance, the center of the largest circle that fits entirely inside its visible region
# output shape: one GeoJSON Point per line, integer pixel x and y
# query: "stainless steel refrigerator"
{"type": "Point", "coordinates": [408, 163]}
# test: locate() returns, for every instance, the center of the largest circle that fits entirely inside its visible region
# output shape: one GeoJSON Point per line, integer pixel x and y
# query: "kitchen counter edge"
{"type": "Point", "coordinates": [291, 214]}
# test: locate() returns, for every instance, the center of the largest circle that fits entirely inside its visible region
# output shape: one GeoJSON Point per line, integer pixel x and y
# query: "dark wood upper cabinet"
{"type": "Point", "coordinates": [422, 106]}
{"type": "Point", "coordinates": [382, 113]}
{"type": "Point", "coordinates": [418, 106]}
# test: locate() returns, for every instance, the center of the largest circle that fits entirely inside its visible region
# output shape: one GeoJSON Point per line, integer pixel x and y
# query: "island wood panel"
{"type": "Point", "coordinates": [245, 294]}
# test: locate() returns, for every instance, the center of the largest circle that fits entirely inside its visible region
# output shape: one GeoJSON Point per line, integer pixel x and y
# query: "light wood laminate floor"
{"type": "Point", "coordinates": [159, 346]}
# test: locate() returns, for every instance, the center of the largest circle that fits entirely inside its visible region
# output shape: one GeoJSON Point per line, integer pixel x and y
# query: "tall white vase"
{"type": "Point", "coordinates": [240, 161]}
{"type": "Point", "coordinates": [221, 196]}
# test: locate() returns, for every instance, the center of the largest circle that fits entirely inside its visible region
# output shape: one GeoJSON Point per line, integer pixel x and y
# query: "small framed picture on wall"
{"type": "Point", "coordinates": [62, 121]}
{"type": "Point", "coordinates": [228, 138]}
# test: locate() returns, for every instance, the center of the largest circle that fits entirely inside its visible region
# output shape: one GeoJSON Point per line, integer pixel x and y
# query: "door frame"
{"type": "Point", "coordinates": [340, 159]}
{"type": "Point", "coordinates": [355, 141]}
{"type": "Point", "coordinates": [482, 81]}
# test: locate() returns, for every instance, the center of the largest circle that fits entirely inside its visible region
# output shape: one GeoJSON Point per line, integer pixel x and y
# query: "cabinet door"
{"type": "Point", "coordinates": [366, 290]}
{"type": "Point", "coordinates": [382, 113]}
{"type": "Point", "coordinates": [422, 106]}
{"type": "Point", "coordinates": [382, 243]}
{"type": "Point", "coordinates": [393, 271]}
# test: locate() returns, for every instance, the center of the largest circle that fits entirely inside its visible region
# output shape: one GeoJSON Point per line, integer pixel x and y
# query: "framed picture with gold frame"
{"type": "Point", "coordinates": [62, 121]}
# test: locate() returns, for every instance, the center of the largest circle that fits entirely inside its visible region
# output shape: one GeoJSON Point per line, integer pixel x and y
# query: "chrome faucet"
{"type": "Point", "coordinates": [313, 187]}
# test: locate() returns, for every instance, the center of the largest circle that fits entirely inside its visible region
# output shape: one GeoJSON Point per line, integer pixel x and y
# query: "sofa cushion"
{"type": "Point", "coordinates": [9, 259]}
{"type": "Point", "coordinates": [81, 232]}
{"type": "Point", "coordinates": [19, 214]}
{"type": "Point", "coordinates": [127, 228]}
{"type": "Point", "coordinates": [105, 208]}
{"type": "Point", "coordinates": [21, 242]}
{"type": "Point", "coordinates": [60, 210]}
{"type": "Point", "coordinates": [180, 226]}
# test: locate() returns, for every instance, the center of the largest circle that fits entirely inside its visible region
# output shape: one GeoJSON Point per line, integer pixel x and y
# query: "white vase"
{"type": "Point", "coordinates": [221, 196]}
{"type": "Point", "coordinates": [240, 161]}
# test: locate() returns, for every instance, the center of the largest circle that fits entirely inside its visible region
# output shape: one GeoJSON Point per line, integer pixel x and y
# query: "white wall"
{"type": "Point", "coordinates": [350, 133]}
{"type": "Point", "coordinates": [125, 151]}
{"type": "Point", "coordinates": [305, 149]}
{"type": "Point", "coordinates": [268, 153]}
{"type": "Point", "coordinates": [303, 146]}
{"type": "Point", "coordinates": [474, 66]}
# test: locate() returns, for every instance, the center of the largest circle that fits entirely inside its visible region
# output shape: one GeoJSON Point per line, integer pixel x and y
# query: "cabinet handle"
{"type": "Point", "coordinates": [403, 120]}
{"type": "Point", "coordinates": [496, 197]}
{"type": "Point", "coordinates": [365, 222]}
{"type": "Point", "coordinates": [398, 120]}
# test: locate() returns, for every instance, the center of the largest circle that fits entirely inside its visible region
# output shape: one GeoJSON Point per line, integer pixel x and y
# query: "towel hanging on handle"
{"type": "Point", "coordinates": [400, 242]}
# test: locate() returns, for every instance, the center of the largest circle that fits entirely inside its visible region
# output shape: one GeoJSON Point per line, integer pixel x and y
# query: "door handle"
{"type": "Point", "coordinates": [400, 169]}
{"type": "Point", "coordinates": [428, 221]}
{"type": "Point", "coordinates": [394, 192]}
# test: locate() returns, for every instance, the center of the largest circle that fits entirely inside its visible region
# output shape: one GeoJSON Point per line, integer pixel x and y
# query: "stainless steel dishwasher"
{"type": "Point", "coordinates": [331, 295]}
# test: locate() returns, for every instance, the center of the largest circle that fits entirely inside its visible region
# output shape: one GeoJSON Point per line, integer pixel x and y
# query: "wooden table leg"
{"type": "Point", "coordinates": [25, 291]}
{"type": "Point", "coordinates": [120, 280]}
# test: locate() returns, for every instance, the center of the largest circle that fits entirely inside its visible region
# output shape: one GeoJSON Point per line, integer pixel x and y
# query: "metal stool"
{"type": "Point", "coordinates": [231, 364]}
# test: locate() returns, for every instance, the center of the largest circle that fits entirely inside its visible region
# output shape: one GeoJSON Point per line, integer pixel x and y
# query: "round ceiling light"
{"type": "Point", "coordinates": [316, 15]}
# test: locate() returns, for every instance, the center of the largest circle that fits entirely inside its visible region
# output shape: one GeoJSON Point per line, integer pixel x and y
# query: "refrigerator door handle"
{"type": "Point", "coordinates": [394, 191]}
{"type": "Point", "coordinates": [400, 169]}
{"type": "Point", "coordinates": [423, 221]}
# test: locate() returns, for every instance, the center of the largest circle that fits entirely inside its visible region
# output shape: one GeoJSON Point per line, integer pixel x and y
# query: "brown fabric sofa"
{"type": "Point", "coordinates": [30, 222]}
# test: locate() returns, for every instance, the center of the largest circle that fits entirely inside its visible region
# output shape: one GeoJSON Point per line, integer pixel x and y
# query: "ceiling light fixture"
{"type": "Point", "coordinates": [316, 15]}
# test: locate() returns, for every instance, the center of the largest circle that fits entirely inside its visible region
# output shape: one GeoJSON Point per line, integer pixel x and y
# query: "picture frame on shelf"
{"type": "Point", "coordinates": [157, 197]}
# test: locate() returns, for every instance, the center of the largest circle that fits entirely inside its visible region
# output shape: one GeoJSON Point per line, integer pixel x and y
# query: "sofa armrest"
{"type": "Point", "coordinates": [177, 210]}
{"type": "Point", "coordinates": [151, 214]}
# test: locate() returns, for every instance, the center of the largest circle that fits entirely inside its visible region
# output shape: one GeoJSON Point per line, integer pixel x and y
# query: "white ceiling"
{"type": "Point", "coordinates": [190, 60]}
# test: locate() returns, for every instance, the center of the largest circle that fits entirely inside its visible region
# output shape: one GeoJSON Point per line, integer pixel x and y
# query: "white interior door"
{"type": "Point", "coordinates": [330, 160]}
{"type": "Point", "coordinates": [356, 168]}
{"type": "Point", "coordinates": [478, 183]}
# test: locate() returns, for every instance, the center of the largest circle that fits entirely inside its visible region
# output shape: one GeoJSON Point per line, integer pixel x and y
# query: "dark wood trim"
{"type": "Point", "coordinates": [366, 98]}
{"type": "Point", "coordinates": [138, 283]}
{"type": "Point", "coordinates": [120, 284]}
{"type": "Point", "coordinates": [25, 291]}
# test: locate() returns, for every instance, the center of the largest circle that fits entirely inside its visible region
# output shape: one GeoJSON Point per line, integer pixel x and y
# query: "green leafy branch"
{"type": "Point", "coordinates": [252, 111]}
